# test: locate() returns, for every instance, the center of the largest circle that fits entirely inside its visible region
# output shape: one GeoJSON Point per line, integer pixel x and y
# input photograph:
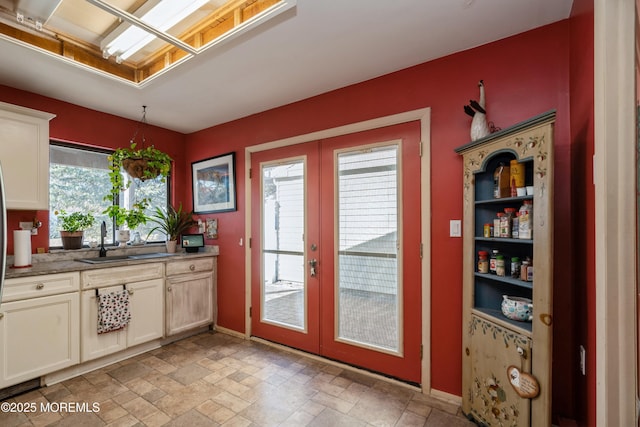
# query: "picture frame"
{"type": "Point", "coordinates": [214, 184]}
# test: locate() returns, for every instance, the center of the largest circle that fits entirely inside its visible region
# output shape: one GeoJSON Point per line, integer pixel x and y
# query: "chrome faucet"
{"type": "Point", "coordinates": [103, 234]}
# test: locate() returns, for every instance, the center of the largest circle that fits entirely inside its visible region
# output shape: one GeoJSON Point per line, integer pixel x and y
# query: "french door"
{"type": "Point", "coordinates": [336, 248]}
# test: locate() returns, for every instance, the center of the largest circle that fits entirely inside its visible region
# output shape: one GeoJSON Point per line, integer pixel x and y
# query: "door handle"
{"type": "Point", "coordinates": [312, 267]}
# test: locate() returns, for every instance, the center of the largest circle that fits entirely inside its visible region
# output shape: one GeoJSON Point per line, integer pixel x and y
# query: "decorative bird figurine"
{"type": "Point", "coordinates": [479, 125]}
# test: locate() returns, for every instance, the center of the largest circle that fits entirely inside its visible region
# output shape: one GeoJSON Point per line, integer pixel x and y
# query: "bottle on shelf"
{"type": "Point", "coordinates": [515, 226]}
{"type": "Point", "coordinates": [525, 220]}
{"type": "Point", "coordinates": [483, 262]}
{"type": "Point", "coordinates": [492, 261]}
{"type": "Point", "coordinates": [496, 224]}
{"type": "Point", "coordinates": [506, 222]}
{"type": "Point", "coordinates": [526, 263]}
{"type": "Point", "coordinates": [515, 267]}
{"type": "Point", "coordinates": [500, 267]}
{"type": "Point", "coordinates": [516, 178]}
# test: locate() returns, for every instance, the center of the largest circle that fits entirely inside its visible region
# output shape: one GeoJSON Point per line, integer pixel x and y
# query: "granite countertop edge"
{"type": "Point", "coordinates": [67, 261]}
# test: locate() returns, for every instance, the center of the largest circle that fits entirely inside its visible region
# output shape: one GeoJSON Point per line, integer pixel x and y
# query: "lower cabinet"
{"type": "Point", "coordinates": [189, 301]}
{"type": "Point", "coordinates": [146, 324]}
{"type": "Point", "coordinates": [492, 350]}
{"type": "Point", "coordinates": [38, 336]}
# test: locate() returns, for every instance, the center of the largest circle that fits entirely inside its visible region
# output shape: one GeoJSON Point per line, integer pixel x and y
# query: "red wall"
{"type": "Point", "coordinates": [582, 141]}
{"type": "Point", "coordinates": [80, 125]}
{"type": "Point", "coordinates": [524, 75]}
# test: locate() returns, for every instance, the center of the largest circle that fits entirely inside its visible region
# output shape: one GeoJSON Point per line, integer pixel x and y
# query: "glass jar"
{"type": "Point", "coordinates": [523, 268]}
{"type": "Point", "coordinates": [483, 262]}
{"type": "Point", "coordinates": [515, 267]}
{"type": "Point", "coordinates": [492, 261]}
{"type": "Point", "coordinates": [506, 222]}
{"type": "Point", "coordinates": [500, 267]}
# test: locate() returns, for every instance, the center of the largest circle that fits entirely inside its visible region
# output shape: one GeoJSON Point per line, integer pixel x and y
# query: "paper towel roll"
{"type": "Point", "coordinates": [21, 248]}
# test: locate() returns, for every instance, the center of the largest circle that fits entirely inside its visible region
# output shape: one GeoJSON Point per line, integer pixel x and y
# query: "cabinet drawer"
{"type": "Point", "coordinates": [121, 275]}
{"type": "Point", "coordinates": [189, 266]}
{"type": "Point", "coordinates": [39, 286]}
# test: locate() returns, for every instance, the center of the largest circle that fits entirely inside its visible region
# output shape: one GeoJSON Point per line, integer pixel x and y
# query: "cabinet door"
{"type": "Point", "coordinates": [94, 345]}
{"type": "Point", "coordinates": [147, 311]}
{"type": "Point", "coordinates": [189, 302]}
{"type": "Point", "coordinates": [492, 349]}
{"type": "Point", "coordinates": [24, 154]}
{"type": "Point", "coordinates": [38, 336]}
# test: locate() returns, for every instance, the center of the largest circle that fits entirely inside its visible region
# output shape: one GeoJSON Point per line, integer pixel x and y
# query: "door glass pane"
{"type": "Point", "coordinates": [367, 289]}
{"type": "Point", "coordinates": [283, 273]}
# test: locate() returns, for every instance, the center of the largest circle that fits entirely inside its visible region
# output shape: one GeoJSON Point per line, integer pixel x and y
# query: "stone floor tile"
{"type": "Point", "coordinates": [128, 372]}
{"type": "Point", "coordinates": [438, 418]}
{"type": "Point", "coordinates": [409, 419]}
{"type": "Point", "coordinates": [332, 418]}
{"type": "Point", "coordinates": [191, 418]}
{"type": "Point", "coordinates": [213, 379]}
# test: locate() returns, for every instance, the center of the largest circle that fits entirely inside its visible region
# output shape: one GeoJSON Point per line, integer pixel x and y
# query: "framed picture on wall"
{"type": "Point", "coordinates": [214, 184]}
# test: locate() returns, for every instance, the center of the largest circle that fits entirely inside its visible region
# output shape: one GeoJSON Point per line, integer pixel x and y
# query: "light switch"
{"type": "Point", "coordinates": [455, 228]}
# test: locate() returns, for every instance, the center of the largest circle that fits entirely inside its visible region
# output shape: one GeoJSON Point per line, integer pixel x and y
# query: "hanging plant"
{"type": "Point", "coordinates": [140, 163]}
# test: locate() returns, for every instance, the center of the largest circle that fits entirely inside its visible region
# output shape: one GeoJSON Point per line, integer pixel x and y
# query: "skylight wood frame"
{"type": "Point", "coordinates": [235, 17]}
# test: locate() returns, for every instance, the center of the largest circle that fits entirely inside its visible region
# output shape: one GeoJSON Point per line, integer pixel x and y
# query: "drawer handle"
{"type": "Point", "coordinates": [40, 286]}
{"type": "Point", "coordinates": [130, 291]}
{"type": "Point", "coordinates": [169, 289]}
{"type": "Point", "coordinates": [192, 267]}
{"type": "Point", "coordinates": [1, 315]}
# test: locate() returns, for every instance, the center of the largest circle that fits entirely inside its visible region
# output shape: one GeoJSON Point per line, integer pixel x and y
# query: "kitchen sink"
{"type": "Point", "coordinates": [115, 258]}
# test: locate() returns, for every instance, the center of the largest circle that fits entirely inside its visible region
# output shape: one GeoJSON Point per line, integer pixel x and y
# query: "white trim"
{"type": "Point", "coordinates": [615, 213]}
{"type": "Point", "coordinates": [423, 115]}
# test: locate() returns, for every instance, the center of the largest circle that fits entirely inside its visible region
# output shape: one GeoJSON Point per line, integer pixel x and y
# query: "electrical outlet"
{"type": "Point", "coordinates": [455, 228]}
{"type": "Point", "coordinates": [583, 360]}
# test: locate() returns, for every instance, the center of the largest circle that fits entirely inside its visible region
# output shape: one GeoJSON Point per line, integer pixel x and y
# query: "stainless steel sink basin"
{"type": "Point", "coordinates": [115, 258]}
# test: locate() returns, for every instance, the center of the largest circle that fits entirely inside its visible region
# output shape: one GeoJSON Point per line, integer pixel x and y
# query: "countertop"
{"type": "Point", "coordinates": [66, 261]}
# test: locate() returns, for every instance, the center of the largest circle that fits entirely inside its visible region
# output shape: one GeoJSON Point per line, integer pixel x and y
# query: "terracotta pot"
{"type": "Point", "coordinates": [72, 239]}
{"type": "Point", "coordinates": [136, 169]}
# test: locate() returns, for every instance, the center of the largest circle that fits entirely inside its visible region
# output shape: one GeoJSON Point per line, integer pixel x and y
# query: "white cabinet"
{"type": "Point", "coordinates": [145, 304]}
{"type": "Point", "coordinates": [24, 155]}
{"type": "Point", "coordinates": [38, 334]}
{"type": "Point", "coordinates": [190, 294]}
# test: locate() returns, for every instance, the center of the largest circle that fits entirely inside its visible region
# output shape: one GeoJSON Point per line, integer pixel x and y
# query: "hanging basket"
{"type": "Point", "coordinates": [139, 168]}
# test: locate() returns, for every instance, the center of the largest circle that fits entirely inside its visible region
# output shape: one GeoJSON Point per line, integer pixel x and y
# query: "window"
{"type": "Point", "coordinates": [79, 180]}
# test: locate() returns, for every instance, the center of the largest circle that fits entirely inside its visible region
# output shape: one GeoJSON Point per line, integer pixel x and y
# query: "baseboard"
{"type": "Point", "coordinates": [231, 332]}
{"type": "Point", "coordinates": [446, 397]}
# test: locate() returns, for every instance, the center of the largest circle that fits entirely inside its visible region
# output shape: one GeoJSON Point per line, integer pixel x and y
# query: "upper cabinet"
{"type": "Point", "coordinates": [24, 156]}
{"type": "Point", "coordinates": [508, 275]}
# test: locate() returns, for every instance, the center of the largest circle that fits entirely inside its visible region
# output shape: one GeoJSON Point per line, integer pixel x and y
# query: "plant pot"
{"type": "Point", "coordinates": [123, 237]}
{"type": "Point", "coordinates": [72, 239]}
{"type": "Point", "coordinates": [138, 168]}
{"type": "Point", "coordinates": [171, 246]}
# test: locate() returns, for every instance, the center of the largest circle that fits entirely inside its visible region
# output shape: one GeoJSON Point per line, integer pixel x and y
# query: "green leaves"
{"type": "Point", "coordinates": [172, 222]}
{"type": "Point", "coordinates": [75, 221]}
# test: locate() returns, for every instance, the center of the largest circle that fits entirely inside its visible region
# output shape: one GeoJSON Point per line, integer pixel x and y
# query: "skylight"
{"type": "Point", "coordinates": [163, 16]}
{"type": "Point", "coordinates": [133, 40]}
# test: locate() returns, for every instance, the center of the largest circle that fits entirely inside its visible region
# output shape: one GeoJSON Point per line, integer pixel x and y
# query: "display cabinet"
{"type": "Point", "coordinates": [507, 352]}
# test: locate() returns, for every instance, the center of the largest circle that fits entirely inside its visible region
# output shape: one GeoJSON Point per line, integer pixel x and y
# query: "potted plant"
{"type": "Point", "coordinates": [172, 223]}
{"type": "Point", "coordinates": [72, 227]}
{"type": "Point", "coordinates": [131, 217]}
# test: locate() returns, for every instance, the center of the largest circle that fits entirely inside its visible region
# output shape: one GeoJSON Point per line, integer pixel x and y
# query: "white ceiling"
{"type": "Point", "coordinates": [318, 46]}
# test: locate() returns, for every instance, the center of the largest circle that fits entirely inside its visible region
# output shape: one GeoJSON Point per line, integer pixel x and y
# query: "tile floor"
{"type": "Point", "coordinates": [214, 379]}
